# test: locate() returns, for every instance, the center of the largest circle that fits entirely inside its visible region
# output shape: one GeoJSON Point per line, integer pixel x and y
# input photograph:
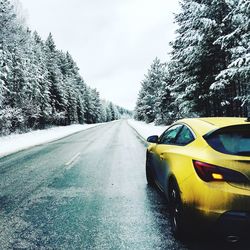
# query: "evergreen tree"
{"type": "Point", "coordinates": [81, 105]}
{"type": "Point", "coordinates": [232, 84]}
{"type": "Point", "coordinates": [209, 70]}
{"type": "Point", "coordinates": [55, 77]}
{"type": "Point", "coordinates": [164, 107]}
{"type": "Point", "coordinates": [96, 106]}
{"type": "Point", "coordinates": [148, 103]}
{"type": "Point", "coordinates": [39, 85]}
{"type": "Point", "coordinates": [42, 83]}
{"type": "Point", "coordinates": [196, 60]}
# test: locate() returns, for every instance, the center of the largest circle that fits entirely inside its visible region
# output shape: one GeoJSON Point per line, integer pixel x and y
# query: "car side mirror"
{"type": "Point", "coordinates": [153, 139]}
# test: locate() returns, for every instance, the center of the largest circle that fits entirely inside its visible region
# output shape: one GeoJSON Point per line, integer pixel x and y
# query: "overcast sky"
{"type": "Point", "coordinates": [112, 41]}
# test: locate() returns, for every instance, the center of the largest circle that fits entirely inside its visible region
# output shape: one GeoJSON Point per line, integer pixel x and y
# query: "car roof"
{"type": "Point", "coordinates": [207, 124]}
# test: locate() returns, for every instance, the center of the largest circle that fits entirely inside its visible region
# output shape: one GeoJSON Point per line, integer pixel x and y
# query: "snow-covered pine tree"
{"type": "Point", "coordinates": [81, 106]}
{"type": "Point", "coordinates": [123, 113]}
{"type": "Point", "coordinates": [88, 105]}
{"type": "Point", "coordinates": [107, 111]}
{"type": "Point", "coordinates": [112, 111]}
{"type": "Point", "coordinates": [42, 84]}
{"type": "Point", "coordinates": [19, 96]}
{"type": "Point", "coordinates": [7, 27]}
{"type": "Point", "coordinates": [69, 71]}
{"type": "Point", "coordinates": [232, 85]}
{"type": "Point", "coordinates": [57, 89]}
{"type": "Point", "coordinates": [148, 103]}
{"type": "Point", "coordinates": [139, 112]}
{"type": "Point", "coordinates": [3, 77]}
{"type": "Point", "coordinates": [103, 117]}
{"type": "Point", "coordinates": [164, 108]}
{"type": "Point", "coordinates": [96, 106]}
{"type": "Point", "coordinates": [196, 60]}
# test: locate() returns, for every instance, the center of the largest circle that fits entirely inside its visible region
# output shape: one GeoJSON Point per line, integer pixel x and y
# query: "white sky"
{"type": "Point", "coordinates": [112, 41]}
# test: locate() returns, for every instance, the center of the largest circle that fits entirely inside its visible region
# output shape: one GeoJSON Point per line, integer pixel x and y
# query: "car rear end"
{"type": "Point", "coordinates": [221, 181]}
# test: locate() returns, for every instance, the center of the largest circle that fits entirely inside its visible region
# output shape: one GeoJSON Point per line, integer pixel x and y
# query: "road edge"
{"type": "Point", "coordinates": [141, 138]}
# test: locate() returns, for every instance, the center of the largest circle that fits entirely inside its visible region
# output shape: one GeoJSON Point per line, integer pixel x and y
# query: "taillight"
{"type": "Point", "coordinates": [208, 172]}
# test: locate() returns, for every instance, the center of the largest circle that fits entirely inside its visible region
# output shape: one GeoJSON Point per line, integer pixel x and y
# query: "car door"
{"type": "Point", "coordinates": [180, 153]}
{"type": "Point", "coordinates": [160, 164]}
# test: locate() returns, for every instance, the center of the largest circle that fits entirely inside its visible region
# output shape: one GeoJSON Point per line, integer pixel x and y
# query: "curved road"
{"type": "Point", "coordinates": [86, 191]}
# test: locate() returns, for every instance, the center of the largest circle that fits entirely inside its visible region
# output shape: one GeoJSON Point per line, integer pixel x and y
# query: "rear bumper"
{"type": "Point", "coordinates": [229, 223]}
{"type": "Point", "coordinates": [216, 206]}
{"type": "Point", "coordinates": [234, 223]}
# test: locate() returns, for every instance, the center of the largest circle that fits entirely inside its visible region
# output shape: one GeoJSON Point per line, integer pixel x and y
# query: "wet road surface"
{"type": "Point", "coordinates": [86, 191]}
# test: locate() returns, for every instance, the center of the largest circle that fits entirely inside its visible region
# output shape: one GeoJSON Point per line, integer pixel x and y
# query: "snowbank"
{"type": "Point", "coordinates": [17, 142]}
{"type": "Point", "coordinates": [146, 130]}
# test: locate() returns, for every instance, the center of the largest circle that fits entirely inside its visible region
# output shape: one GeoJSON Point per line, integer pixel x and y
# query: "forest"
{"type": "Point", "coordinates": [208, 72]}
{"type": "Point", "coordinates": [40, 86]}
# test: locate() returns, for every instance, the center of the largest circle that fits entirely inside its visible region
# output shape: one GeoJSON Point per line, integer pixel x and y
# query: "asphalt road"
{"type": "Point", "coordinates": [86, 191]}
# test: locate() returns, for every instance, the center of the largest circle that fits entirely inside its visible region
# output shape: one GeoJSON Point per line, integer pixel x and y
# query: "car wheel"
{"type": "Point", "coordinates": [176, 211]}
{"type": "Point", "coordinates": [149, 174]}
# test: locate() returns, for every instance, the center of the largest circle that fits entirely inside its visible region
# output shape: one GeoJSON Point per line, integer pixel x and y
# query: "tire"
{"type": "Point", "coordinates": [176, 211]}
{"type": "Point", "coordinates": [149, 174]}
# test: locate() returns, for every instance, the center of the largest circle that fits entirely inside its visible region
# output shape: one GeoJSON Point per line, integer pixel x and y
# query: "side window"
{"type": "Point", "coordinates": [168, 137]}
{"type": "Point", "coordinates": [185, 136]}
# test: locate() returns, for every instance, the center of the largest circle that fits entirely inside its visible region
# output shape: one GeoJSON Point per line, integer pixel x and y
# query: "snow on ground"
{"type": "Point", "coordinates": [17, 142]}
{"type": "Point", "coordinates": [146, 130]}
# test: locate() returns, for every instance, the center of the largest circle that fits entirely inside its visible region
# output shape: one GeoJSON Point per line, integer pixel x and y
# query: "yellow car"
{"type": "Point", "coordinates": [203, 167]}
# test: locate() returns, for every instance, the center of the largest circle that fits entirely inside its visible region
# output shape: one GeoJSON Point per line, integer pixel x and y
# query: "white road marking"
{"type": "Point", "coordinates": [72, 160]}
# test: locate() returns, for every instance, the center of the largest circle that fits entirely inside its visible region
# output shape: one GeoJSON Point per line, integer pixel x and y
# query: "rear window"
{"type": "Point", "coordinates": [233, 140]}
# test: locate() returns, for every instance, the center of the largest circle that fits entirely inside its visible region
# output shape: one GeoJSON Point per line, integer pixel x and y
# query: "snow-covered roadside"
{"type": "Point", "coordinates": [146, 130]}
{"type": "Point", "coordinates": [17, 142]}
